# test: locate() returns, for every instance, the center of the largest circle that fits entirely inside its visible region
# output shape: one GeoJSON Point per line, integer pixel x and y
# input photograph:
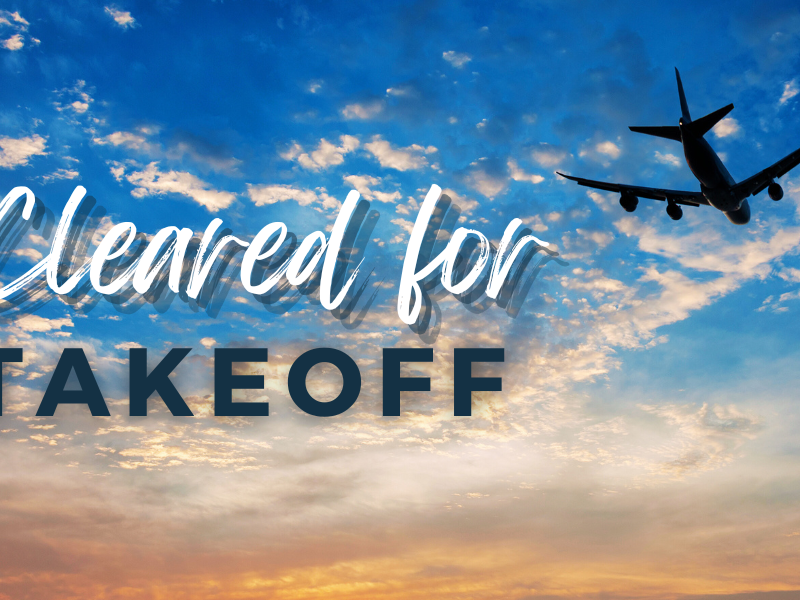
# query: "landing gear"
{"type": "Point", "coordinates": [629, 202]}
{"type": "Point", "coordinates": [674, 211]}
{"type": "Point", "coordinates": [775, 191]}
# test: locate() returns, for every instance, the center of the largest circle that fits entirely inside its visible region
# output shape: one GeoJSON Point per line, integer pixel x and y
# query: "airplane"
{"type": "Point", "coordinates": [717, 187]}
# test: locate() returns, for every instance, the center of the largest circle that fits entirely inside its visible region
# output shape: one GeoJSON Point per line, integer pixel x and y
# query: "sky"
{"type": "Point", "coordinates": [645, 441]}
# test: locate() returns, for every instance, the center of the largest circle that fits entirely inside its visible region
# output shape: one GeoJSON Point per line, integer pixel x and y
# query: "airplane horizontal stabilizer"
{"type": "Point", "coordinates": [703, 125]}
{"type": "Point", "coordinates": [670, 132]}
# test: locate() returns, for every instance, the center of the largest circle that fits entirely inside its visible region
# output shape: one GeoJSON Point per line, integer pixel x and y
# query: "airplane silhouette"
{"type": "Point", "coordinates": [717, 187]}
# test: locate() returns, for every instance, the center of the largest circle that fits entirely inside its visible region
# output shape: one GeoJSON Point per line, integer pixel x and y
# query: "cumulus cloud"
{"type": "Point", "coordinates": [488, 176]}
{"type": "Point", "coordinates": [326, 154]}
{"type": "Point", "coordinates": [364, 184]}
{"type": "Point", "coordinates": [518, 174]}
{"type": "Point", "coordinates": [13, 43]}
{"type": "Point", "coordinates": [263, 195]}
{"type": "Point", "coordinates": [726, 127]}
{"type": "Point", "coordinates": [150, 181]}
{"type": "Point", "coordinates": [60, 174]}
{"type": "Point", "coordinates": [401, 159]}
{"type": "Point", "coordinates": [601, 151]}
{"type": "Point", "coordinates": [790, 90]}
{"type": "Point", "coordinates": [19, 25]}
{"type": "Point", "coordinates": [122, 18]}
{"type": "Point", "coordinates": [37, 324]}
{"type": "Point", "coordinates": [15, 152]}
{"type": "Point", "coordinates": [362, 110]}
{"type": "Point", "coordinates": [457, 59]}
{"type": "Point", "coordinates": [548, 156]}
{"type": "Point", "coordinates": [668, 159]}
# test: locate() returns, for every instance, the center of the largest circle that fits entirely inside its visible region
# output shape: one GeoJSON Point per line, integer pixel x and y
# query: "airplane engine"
{"type": "Point", "coordinates": [741, 216]}
{"type": "Point", "coordinates": [775, 191]}
{"type": "Point", "coordinates": [674, 211]}
{"type": "Point", "coordinates": [629, 202]}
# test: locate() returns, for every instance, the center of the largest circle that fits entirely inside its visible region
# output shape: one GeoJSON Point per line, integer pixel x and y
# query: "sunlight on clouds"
{"type": "Point", "coordinates": [401, 159]}
{"type": "Point", "coordinates": [123, 19]}
{"type": "Point", "coordinates": [790, 90]}
{"type": "Point", "coordinates": [726, 128]}
{"type": "Point", "coordinates": [326, 155]}
{"type": "Point", "coordinates": [263, 195]}
{"type": "Point", "coordinates": [15, 152]}
{"type": "Point", "coordinates": [362, 110]}
{"type": "Point", "coordinates": [457, 59]}
{"type": "Point", "coordinates": [152, 182]}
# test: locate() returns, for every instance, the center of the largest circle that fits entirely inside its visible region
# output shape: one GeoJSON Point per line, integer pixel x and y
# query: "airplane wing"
{"type": "Point", "coordinates": [753, 185]}
{"type": "Point", "coordinates": [677, 196]}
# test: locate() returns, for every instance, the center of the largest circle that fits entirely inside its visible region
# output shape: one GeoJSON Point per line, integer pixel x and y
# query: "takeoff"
{"type": "Point", "coordinates": [717, 187]}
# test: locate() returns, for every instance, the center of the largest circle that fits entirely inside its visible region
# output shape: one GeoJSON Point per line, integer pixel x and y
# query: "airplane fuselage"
{"type": "Point", "coordinates": [716, 183]}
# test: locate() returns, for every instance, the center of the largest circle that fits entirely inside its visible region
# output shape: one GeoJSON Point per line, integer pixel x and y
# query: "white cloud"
{"type": "Point", "coordinates": [152, 182]}
{"type": "Point", "coordinates": [364, 183]}
{"type": "Point", "coordinates": [122, 18]}
{"type": "Point", "coordinates": [124, 138]}
{"type": "Point", "coordinates": [668, 159]}
{"type": "Point", "coordinates": [609, 149]}
{"type": "Point", "coordinates": [518, 174]}
{"type": "Point", "coordinates": [127, 345]}
{"type": "Point", "coordinates": [727, 127]}
{"type": "Point", "coordinates": [20, 25]}
{"type": "Point", "coordinates": [548, 156]}
{"type": "Point", "coordinates": [402, 159]}
{"type": "Point", "coordinates": [326, 155]}
{"type": "Point", "coordinates": [82, 98]}
{"type": "Point", "coordinates": [263, 195]}
{"type": "Point", "coordinates": [601, 152]}
{"type": "Point", "coordinates": [790, 90]}
{"type": "Point", "coordinates": [457, 59]}
{"type": "Point", "coordinates": [15, 152]}
{"type": "Point", "coordinates": [13, 43]}
{"type": "Point", "coordinates": [363, 111]}
{"type": "Point", "coordinates": [60, 174]}
{"type": "Point", "coordinates": [208, 342]}
{"type": "Point", "coordinates": [37, 324]}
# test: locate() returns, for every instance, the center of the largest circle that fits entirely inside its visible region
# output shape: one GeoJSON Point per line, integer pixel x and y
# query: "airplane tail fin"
{"type": "Point", "coordinates": [704, 124]}
{"type": "Point", "coordinates": [684, 105]}
{"type": "Point", "coordinates": [670, 132]}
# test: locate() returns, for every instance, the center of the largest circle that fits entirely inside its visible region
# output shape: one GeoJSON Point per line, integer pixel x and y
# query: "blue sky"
{"type": "Point", "coordinates": [648, 419]}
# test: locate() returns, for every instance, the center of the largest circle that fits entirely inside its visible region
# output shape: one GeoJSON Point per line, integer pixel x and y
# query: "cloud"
{"type": "Point", "coordinates": [548, 156]}
{"type": "Point", "coordinates": [263, 195]}
{"type": "Point", "coordinates": [37, 324]}
{"type": "Point", "coordinates": [127, 139]}
{"type": "Point", "coordinates": [13, 43]}
{"type": "Point", "coordinates": [326, 155]}
{"type": "Point", "coordinates": [60, 174]}
{"type": "Point", "coordinates": [364, 183]}
{"type": "Point", "coordinates": [488, 176]}
{"type": "Point", "coordinates": [122, 18]}
{"type": "Point", "coordinates": [401, 159]}
{"type": "Point", "coordinates": [727, 127]}
{"type": "Point", "coordinates": [208, 342]}
{"type": "Point", "coordinates": [152, 182]}
{"type": "Point", "coordinates": [128, 345]}
{"type": "Point", "coordinates": [518, 174]}
{"type": "Point", "coordinates": [457, 59]}
{"type": "Point", "coordinates": [609, 149]}
{"type": "Point", "coordinates": [668, 159]}
{"type": "Point", "coordinates": [81, 100]}
{"type": "Point", "coordinates": [15, 152]}
{"type": "Point", "coordinates": [362, 111]}
{"type": "Point", "coordinates": [19, 25]}
{"type": "Point", "coordinates": [790, 90]}
{"type": "Point", "coordinates": [601, 151]}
